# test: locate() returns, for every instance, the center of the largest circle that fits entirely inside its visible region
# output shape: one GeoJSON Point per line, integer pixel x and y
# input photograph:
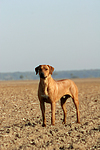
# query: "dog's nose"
{"type": "Point", "coordinates": [42, 75]}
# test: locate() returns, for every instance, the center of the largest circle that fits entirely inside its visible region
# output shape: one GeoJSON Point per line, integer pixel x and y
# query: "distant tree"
{"type": "Point", "coordinates": [73, 76]}
{"type": "Point", "coordinates": [21, 77]}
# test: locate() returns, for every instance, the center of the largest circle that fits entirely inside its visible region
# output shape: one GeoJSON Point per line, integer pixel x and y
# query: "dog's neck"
{"type": "Point", "coordinates": [44, 84]}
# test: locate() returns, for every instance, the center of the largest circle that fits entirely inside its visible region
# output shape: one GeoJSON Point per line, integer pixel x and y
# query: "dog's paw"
{"type": "Point", "coordinates": [53, 124]}
{"type": "Point", "coordinates": [78, 122]}
{"type": "Point", "coordinates": [43, 125]}
{"type": "Point", "coordinates": [63, 122]}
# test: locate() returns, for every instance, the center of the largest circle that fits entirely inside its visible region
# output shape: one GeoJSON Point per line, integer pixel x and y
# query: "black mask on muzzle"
{"type": "Point", "coordinates": [42, 75]}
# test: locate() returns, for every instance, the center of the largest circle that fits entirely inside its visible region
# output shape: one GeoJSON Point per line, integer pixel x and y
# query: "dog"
{"type": "Point", "coordinates": [50, 91]}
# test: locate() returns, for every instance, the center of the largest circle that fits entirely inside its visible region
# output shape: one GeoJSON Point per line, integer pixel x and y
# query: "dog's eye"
{"type": "Point", "coordinates": [46, 69]}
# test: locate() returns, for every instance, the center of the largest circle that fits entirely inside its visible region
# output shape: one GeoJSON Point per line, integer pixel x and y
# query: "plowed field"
{"type": "Point", "coordinates": [21, 121]}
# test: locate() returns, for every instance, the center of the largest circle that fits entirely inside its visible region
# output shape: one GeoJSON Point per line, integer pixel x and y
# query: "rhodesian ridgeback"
{"type": "Point", "coordinates": [50, 91]}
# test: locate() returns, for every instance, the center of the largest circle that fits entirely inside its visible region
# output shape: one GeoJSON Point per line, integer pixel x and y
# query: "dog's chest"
{"type": "Point", "coordinates": [45, 92]}
{"type": "Point", "coordinates": [43, 88]}
{"type": "Point", "coordinates": [46, 89]}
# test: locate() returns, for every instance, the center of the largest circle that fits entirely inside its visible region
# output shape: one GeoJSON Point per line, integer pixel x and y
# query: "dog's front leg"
{"type": "Point", "coordinates": [42, 106]}
{"type": "Point", "coordinates": [53, 113]}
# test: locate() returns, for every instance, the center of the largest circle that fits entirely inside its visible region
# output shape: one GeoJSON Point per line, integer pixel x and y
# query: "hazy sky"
{"type": "Point", "coordinates": [61, 33]}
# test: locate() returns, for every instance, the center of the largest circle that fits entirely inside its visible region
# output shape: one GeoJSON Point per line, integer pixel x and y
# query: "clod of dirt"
{"type": "Point", "coordinates": [8, 131]}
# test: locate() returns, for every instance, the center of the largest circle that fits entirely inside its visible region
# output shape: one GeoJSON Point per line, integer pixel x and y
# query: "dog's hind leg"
{"type": "Point", "coordinates": [63, 105]}
{"type": "Point", "coordinates": [76, 102]}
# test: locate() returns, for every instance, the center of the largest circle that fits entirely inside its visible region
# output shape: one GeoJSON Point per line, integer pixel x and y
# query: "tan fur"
{"type": "Point", "coordinates": [51, 91]}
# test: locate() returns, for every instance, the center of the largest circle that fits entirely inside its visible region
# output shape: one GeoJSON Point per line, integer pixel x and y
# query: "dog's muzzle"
{"type": "Point", "coordinates": [42, 75]}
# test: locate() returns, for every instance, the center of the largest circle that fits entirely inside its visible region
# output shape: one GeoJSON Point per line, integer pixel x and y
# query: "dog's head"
{"type": "Point", "coordinates": [44, 71]}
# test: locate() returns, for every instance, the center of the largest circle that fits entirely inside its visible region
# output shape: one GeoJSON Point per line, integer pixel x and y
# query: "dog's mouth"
{"type": "Point", "coordinates": [42, 76]}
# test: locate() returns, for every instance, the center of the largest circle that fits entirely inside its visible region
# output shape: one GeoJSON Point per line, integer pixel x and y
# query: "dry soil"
{"type": "Point", "coordinates": [21, 121]}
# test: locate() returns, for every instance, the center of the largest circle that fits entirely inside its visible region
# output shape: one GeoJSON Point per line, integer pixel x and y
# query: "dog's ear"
{"type": "Point", "coordinates": [37, 69]}
{"type": "Point", "coordinates": [51, 69]}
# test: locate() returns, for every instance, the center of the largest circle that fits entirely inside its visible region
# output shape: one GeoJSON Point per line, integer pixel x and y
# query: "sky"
{"type": "Point", "coordinates": [62, 33]}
